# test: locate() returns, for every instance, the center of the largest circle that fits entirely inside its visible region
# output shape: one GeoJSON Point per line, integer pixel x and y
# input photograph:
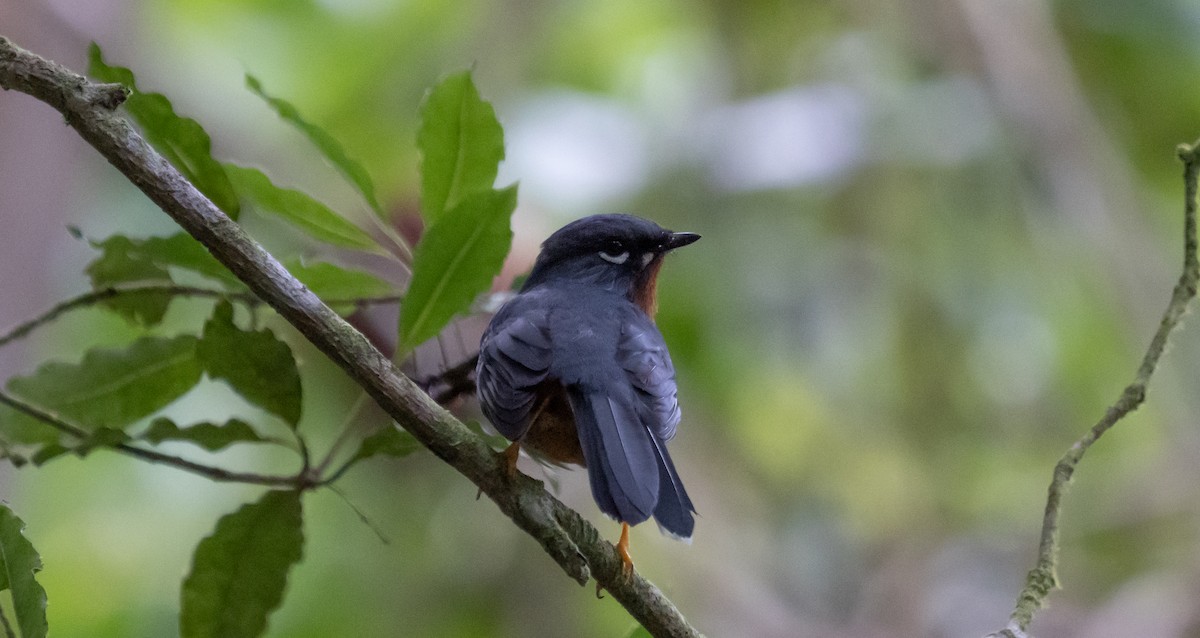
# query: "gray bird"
{"type": "Point", "coordinates": [574, 370]}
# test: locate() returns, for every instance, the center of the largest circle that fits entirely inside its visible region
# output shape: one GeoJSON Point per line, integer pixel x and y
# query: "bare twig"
{"type": "Point", "coordinates": [1043, 578]}
{"type": "Point", "coordinates": [300, 481]}
{"type": "Point", "coordinates": [570, 540]}
{"type": "Point", "coordinates": [97, 296]}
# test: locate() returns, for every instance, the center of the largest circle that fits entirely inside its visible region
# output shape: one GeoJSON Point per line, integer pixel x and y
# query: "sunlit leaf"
{"type": "Point", "coordinates": [19, 562]}
{"type": "Point", "coordinates": [461, 145]}
{"type": "Point", "coordinates": [120, 264]}
{"type": "Point", "coordinates": [209, 436]}
{"type": "Point", "coordinates": [456, 260]}
{"type": "Point", "coordinates": [329, 147]}
{"type": "Point", "coordinates": [298, 209]}
{"type": "Point", "coordinates": [333, 283]}
{"type": "Point", "coordinates": [256, 364]}
{"type": "Point", "coordinates": [180, 139]}
{"type": "Point", "coordinates": [239, 573]}
{"type": "Point", "coordinates": [112, 387]}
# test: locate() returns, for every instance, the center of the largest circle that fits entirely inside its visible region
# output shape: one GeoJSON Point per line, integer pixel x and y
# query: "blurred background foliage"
{"type": "Point", "coordinates": [937, 237]}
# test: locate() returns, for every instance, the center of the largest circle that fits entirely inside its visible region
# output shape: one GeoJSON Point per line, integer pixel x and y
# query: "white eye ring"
{"type": "Point", "coordinates": [619, 258]}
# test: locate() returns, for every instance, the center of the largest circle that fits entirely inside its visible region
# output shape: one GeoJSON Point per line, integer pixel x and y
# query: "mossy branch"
{"type": "Point", "coordinates": [575, 545]}
{"type": "Point", "coordinates": [1043, 578]}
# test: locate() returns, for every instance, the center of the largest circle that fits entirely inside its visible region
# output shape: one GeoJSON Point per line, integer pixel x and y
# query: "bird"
{"type": "Point", "coordinates": [573, 370]}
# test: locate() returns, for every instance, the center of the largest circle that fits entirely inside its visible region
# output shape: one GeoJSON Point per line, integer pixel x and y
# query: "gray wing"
{"type": "Point", "coordinates": [643, 355]}
{"type": "Point", "coordinates": [514, 357]}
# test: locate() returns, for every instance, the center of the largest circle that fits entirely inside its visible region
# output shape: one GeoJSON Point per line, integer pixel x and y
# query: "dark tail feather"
{"type": "Point", "coordinates": [622, 462]}
{"type": "Point", "coordinates": [674, 510]}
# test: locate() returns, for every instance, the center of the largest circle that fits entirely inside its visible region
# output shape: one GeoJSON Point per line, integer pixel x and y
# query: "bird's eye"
{"type": "Point", "coordinates": [619, 257]}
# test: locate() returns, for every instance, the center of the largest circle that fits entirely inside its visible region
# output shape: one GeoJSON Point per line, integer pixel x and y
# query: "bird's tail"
{"type": "Point", "coordinates": [632, 476]}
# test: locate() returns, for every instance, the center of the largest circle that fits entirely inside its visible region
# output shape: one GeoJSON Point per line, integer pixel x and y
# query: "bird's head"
{"type": "Point", "coordinates": [617, 252]}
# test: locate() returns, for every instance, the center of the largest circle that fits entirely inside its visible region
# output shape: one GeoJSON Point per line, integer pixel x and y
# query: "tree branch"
{"type": "Point", "coordinates": [299, 481]}
{"type": "Point", "coordinates": [570, 540]}
{"type": "Point", "coordinates": [1043, 578]}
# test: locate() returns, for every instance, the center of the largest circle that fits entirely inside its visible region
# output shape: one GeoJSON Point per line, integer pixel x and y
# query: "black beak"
{"type": "Point", "coordinates": [679, 240]}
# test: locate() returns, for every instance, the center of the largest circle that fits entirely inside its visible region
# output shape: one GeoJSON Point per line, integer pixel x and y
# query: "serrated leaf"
{"type": "Point", "coordinates": [390, 441]}
{"type": "Point", "coordinates": [119, 263]}
{"type": "Point", "coordinates": [461, 145]}
{"type": "Point", "coordinates": [181, 250]}
{"type": "Point", "coordinates": [48, 453]}
{"type": "Point", "coordinates": [256, 364]}
{"type": "Point", "coordinates": [19, 562]}
{"type": "Point", "coordinates": [298, 209]}
{"type": "Point", "coordinates": [150, 258]}
{"type": "Point", "coordinates": [456, 260]}
{"type": "Point", "coordinates": [209, 436]}
{"type": "Point", "coordinates": [334, 283]}
{"type": "Point", "coordinates": [239, 573]}
{"type": "Point", "coordinates": [111, 387]}
{"type": "Point", "coordinates": [101, 437]}
{"type": "Point", "coordinates": [180, 139]}
{"type": "Point", "coordinates": [329, 147]}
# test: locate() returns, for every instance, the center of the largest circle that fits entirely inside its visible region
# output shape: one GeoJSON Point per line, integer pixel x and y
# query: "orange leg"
{"type": "Point", "coordinates": [511, 454]}
{"type": "Point", "coordinates": [626, 558]}
{"type": "Point", "coordinates": [623, 550]}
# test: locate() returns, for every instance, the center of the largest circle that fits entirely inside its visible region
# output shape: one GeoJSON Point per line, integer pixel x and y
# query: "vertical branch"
{"type": "Point", "coordinates": [1043, 578]}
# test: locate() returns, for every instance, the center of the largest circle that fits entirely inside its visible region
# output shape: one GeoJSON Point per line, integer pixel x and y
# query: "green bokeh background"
{"type": "Point", "coordinates": [938, 235]}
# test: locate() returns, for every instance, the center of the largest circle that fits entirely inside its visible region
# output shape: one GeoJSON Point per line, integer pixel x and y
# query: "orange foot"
{"type": "Point", "coordinates": [626, 559]}
{"type": "Point", "coordinates": [623, 550]}
{"type": "Point", "coordinates": [511, 454]}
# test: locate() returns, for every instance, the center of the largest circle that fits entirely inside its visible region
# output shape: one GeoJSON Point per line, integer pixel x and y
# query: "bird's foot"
{"type": "Point", "coordinates": [626, 559]}
{"type": "Point", "coordinates": [511, 454]}
{"type": "Point", "coordinates": [623, 550]}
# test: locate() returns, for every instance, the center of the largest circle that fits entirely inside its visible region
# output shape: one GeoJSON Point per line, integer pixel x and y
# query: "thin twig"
{"type": "Point", "coordinates": [89, 299]}
{"type": "Point", "coordinates": [300, 481]}
{"type": "Point", "coordinates": [1043, 578]}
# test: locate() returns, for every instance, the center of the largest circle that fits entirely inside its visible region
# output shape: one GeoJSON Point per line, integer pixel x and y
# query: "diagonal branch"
{"type": "Point", "coordinates": [1043, 578]}
{"type": "Point", "coordinates": [570, 540]}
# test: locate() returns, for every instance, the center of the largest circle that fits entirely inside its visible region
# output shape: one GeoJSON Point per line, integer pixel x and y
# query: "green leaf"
{"type": "Point", "coordinates": [48, 453]}
{"type": "Point", "coordinates": [257, 365]}
{"type": "Point", "coordinates": [101, 437]}
{"type": "Point", "coordinates": [125, 260]}
{"type": "Point", "coordinates": [239, 572]}
{"type": "Point", "coordinates": [329, 147]}
{"type": "Point", "coordinates": [19, 561]}
{"type": "Point", "coordinates": [180, 139]}
{"type": "Point", "coordinates": [111, 388]}
{"type": "Point", "coordinates": [461, 145]}
{"type": "Point", "coordinates": [298, 209]}
{"type": "Point", "coordinates": [638, 631]}
{"type": "Point", "coordinates": [181, 250]}
{"type": "Point", "coordinates": [390, 441]}
{"type": "Point", "coordinates": [209, 436]}
{"type": "Point", "coordinates": [119, 263]}
{"type": "Point", "coordinates": [334, 283]}
{"type": "Point", "coordinates": [456, 260]}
